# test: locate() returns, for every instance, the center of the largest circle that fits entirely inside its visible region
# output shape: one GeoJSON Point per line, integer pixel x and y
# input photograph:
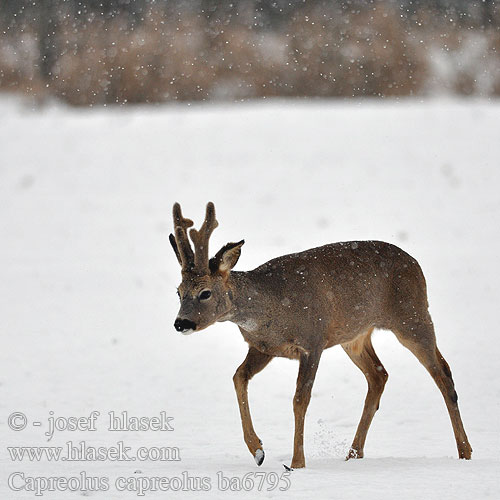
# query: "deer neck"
{"type": "Point", "coordinates": [249, 303]}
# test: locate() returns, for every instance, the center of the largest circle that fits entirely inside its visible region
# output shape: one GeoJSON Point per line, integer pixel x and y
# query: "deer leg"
{"type": "Point", "coordinates": [253, 363]}
{"type": "Point", "coordinates": [421, 342]}
{"type": "Point", "coordinates": [307, 371]}
{"type": "Point", "coordinates": [363, 355]}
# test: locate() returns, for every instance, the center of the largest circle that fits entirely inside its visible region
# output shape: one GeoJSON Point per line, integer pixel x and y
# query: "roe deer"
{"type": "Point", "coordinates": [297, 305]}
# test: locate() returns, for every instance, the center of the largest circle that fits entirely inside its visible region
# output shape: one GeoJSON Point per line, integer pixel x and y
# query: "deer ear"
{"type": "Point", "coordinates": [226, 258]}
{"type": "Point", "coordinates": [173, 242]}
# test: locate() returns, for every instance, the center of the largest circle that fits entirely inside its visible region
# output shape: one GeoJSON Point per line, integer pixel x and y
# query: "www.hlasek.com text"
{"type": "Point", "coordinates": [83, 452]}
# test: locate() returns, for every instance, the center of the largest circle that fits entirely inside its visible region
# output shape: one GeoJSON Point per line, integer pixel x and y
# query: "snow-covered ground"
{"type": "Point", "coordinates": [88, 279]}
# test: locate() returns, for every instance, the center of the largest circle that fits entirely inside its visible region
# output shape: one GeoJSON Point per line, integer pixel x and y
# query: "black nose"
{"type": "Point", "coordinates": [182, 325]}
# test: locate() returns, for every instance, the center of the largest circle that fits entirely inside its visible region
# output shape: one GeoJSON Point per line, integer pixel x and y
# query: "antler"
{"type": "Point", "coordinates": [180, 228]}
{"type": "Point", "coordinates": [200, 239]}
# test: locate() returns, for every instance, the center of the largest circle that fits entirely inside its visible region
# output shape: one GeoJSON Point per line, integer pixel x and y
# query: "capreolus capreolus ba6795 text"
{"type": "Point", "coordinates": [297, 305]}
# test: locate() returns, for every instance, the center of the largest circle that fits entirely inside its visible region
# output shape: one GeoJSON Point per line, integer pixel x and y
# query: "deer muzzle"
{"type": "Point", "coordinates": [185, 326]}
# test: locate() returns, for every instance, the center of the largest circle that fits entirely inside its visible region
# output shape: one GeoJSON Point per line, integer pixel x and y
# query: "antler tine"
{"type": "Point", "coordinates": [200, 238]}
{"type": "Point", "coordinates": [180, 228]}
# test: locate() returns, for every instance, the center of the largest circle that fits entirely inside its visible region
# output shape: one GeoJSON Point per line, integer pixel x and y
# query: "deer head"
{"type": "Point", "coordinates": [205, 291]}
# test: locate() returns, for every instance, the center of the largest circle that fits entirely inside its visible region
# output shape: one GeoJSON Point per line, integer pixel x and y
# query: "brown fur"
{"type": "Point", "coordinates": [297, 305]}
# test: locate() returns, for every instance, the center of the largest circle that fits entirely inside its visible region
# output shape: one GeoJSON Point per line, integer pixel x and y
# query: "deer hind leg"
{"type": "Point", "coordinates": [363, 355]}
{"type": "Point", "coordinates": [307, 372]}
{"type": "Point", "coordinates": [419, 338]}
{"type": "Point", "coordinates": [253, 363]}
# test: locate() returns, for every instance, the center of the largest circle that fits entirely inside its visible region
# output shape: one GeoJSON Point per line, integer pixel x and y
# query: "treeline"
{"type": "Point", "coordinates": [121, 51]}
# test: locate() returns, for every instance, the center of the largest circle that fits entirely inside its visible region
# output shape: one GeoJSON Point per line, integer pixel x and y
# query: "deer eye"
{"type": "Point", "coordinates": [205, 295]}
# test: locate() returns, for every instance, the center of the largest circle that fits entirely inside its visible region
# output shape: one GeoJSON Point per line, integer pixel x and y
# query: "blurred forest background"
{"type": "Point", "coordinates": [95, 52]}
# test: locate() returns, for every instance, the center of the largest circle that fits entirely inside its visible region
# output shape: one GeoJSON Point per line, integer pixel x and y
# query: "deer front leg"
{"type": "Point", "coordinates": [307, 371]}
{"type": "Point", "coordinates": [254, 363]}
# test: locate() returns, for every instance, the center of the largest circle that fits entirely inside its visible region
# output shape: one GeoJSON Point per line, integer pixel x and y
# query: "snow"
{"type": "Point", "coordinates": [88, 285]}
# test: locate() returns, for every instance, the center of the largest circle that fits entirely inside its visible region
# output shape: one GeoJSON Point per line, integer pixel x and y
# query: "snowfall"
{"type": "Point", "coordinates": [88, 289]}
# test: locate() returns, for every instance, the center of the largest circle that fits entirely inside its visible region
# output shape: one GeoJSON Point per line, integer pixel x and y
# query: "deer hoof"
{"type": "Point", "coordinates": [354, 454]}
{"type": "Point", "coordinates": [259, 457]}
